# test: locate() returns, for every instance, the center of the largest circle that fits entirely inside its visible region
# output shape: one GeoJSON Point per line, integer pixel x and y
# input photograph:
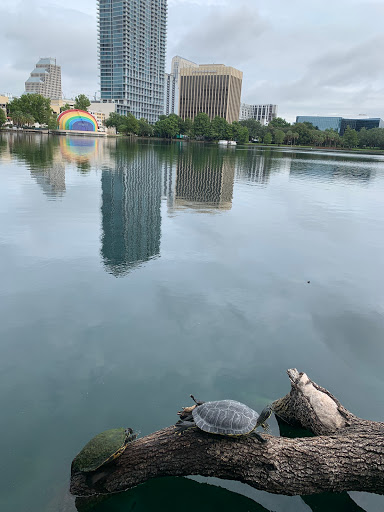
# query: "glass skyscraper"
{"type": "Point", "coordinates": [132, 40]}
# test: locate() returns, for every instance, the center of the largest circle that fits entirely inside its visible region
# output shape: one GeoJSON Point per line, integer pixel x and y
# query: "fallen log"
{"type": "Point", "coordinates": [346, 454]}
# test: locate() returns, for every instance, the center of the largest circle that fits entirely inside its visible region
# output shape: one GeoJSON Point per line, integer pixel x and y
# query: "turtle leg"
{"type": "Point", "coordinates": [197, 402]}
{"type": "Point", "coordinates": [259, 437]}
{"type": "Point", "coordinates": [184, 425]}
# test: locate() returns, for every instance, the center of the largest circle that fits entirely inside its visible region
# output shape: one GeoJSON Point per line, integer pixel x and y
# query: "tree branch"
{"type": "Point", "coordinates": [348, 453]}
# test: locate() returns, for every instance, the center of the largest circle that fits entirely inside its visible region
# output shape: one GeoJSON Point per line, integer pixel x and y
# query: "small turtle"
{"type": "Point", "coordinates": [224, 417]}
{"type": "Point", "coordinates": [102, 449]}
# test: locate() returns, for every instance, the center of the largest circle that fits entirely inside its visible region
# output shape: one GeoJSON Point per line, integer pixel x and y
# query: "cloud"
{"type": "Point", "coordinates": [39, 29]}
{"type": "Point", "coordinates": [225, 35]}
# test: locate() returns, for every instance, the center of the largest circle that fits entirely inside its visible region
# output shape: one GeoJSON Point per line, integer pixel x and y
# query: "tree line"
{"type": "Point", "coordinates": [279, 131]}
{"type": "Point", "coordinates": [34, 108]}
{"type": "Point", "coordinates": [171, 126]}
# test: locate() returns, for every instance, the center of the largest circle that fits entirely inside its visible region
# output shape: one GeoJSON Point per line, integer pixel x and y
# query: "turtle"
{"type": "Point", "coordinates": [224, 417]}
{"type": "Point", "coordinates": [102, 449]}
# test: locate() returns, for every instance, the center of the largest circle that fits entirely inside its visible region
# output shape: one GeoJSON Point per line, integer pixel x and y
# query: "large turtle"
{"type": "Point", "coordinates": [224, 417]}
{"type": "Point", "coordinates": [102, 449]}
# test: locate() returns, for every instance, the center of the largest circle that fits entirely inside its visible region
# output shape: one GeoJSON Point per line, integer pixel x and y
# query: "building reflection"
{"type": "Point", "coordinates": [203, 179]}
{"type": "Point", "coordinates": [255, 166]}
{"type": "Point", "coordinates": [131, 218]}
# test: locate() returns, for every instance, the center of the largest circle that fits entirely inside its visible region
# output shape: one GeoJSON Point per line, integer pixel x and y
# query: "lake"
{"type": "Point", "coordinates": [136, 273]}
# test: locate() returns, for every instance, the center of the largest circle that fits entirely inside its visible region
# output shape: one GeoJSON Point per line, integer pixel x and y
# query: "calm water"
{"type": "Point", "coordinates": [135, 274]}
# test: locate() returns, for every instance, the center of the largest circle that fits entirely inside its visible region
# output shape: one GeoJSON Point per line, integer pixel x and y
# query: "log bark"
{"type": "Point", "coordinates": [347, 452]}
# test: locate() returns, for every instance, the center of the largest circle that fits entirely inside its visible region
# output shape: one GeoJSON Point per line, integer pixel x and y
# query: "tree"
{"type": "Point", "coordinates": [115, 120]}
{"type": "Point", "coordinates": [3, 117]}
{"type": "Point", "coordinates": [279, 136]}
{"type": "Point", "coordinates": [201, 125]}
{"type": "Point", "coordinates": [219, 128]}
{"type": "Point", "coordinates": [32, 104]}
{"type": "Point", "coordinates": [255, 129]}
{"type": "Point", "coordinates": [288, 137]}
{"type": "Point", "coordinates": [130, 125]}
{"type": "Point", "coordinates": [65, 107]}
{"type": "Point", "coordinates": [340, 452]}
{"type": "Point", "coordinates": [168, 127]}
{"type": "Point", "coordinates": [82, 102]}
{"type": "Point", "coordinates": [239, 133]}
{"type": "Point", "coordinates": [350, 138]}
{"type": "Point", "coordinates": [145, 129]}
{"type": "Point", "coordinates": [267, 138]}
{"type": "Point", "coordinates": [279, 122]}
{"type": "Point", "coordinates": [186, 127]}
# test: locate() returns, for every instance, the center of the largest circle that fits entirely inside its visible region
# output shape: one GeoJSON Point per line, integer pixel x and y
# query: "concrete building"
{"type": "Point", "coordinates": [340, 124]}
{"type": "Point", "coordinates": [211, 88]}
{"type": "Point", "coordinates": [101, 111]}
{"type": "Point", "coordinates": [45, 79]}
{"type": "Point", "coordinates": [58, 103]}
{"type": "Point", "coordinates": [132, 41]}
{"type": "Point", "coordinates": [262, 113]}
{"type": "Point", "coordinates": [171, 88]}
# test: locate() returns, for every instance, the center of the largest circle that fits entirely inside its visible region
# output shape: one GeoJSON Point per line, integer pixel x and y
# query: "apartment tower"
{"type": "Point", "coordinates": [211, 88]}
{"type": "Point", "coordinates": [132, 40]}
{"type": "Point", "coordinates": [45, 79]}
{"type": "Point", "coordinates": [171, 99]}
{"type": "Point", "coordinates": [262, 113]}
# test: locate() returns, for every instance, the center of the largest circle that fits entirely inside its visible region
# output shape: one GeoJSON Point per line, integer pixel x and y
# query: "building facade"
{"type": "Point", "coordinates": [171, 86]}
{"type": "Point", "coordinates": [340, 124]}
{"type": "Point", "coordinates": [4, 100]}
{"type": "Point", "coordinates": [262, 113]}
{"type": "Point", "coordinates": [45, 79]}
{"type": "Point", "coordinates": [214, 89]}
{"type": "Point", "coordinates": [132, 41]}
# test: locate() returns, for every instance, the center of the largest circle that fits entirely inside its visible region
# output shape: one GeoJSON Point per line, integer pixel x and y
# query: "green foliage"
{"type": "Point", "coordinates": [255, 129]}
{"type": "Point", "coordinates": [33, 105]}
{"type": "Point", "coordinates": [239, 133]}
{"type": "Point", "coordinates": [267, 138]}
{"type": "Point", "coordinates": [82, 102]}
{"type": "Point", "coordinates": [279, 136]}
{"type": "Point", "coordinates": [115, 120]}
{"type": "Point", "coordinates": [3, 117]}
{"type": "Point", "coordinates": [219, 128]}
{"type": "Point", "coordinates": [350, 138]}
{"type": "Point", "coordinates": [167, 127]}
{"type": "Point", "coordinates": [145, 129]}
{"type": "Point", "coordinates": [201, 125]}
{"type": "Point", "coordinates": [65, 107]}
{"type": "Point", "coordinates": [186, 127]}
{"type": "Point", "coordinates": [279, 122]}
{"type": "Point", "coordinates": [130, 125]}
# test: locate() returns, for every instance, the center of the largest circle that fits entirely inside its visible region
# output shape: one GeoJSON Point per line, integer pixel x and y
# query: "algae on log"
{"type": "Point", "coordinates": [347, 453]}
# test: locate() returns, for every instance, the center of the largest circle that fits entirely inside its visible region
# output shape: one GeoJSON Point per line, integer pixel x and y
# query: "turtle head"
{"type": "Point", "coordinates": [131, 435]}
{"type": "Point", "coordinates": [264, 415]}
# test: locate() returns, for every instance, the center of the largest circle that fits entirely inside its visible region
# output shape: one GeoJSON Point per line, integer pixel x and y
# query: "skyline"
{"type": "Point", "coordinates": [317, 61]}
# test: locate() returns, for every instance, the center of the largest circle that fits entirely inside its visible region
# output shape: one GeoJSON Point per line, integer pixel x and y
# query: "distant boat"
{"type": "Point", "coordinates": [232, 143]}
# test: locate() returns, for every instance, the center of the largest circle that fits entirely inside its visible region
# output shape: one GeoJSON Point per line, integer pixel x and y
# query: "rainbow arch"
{"type": "Point", "coordinates": [78, 120]}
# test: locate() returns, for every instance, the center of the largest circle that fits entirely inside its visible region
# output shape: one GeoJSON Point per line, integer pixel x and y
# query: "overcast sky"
{"type": "Point", "coordinates": [310, 58]}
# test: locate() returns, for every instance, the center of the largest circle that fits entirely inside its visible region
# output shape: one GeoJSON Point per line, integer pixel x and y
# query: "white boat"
{"type": "Point", "coordinates": [232, 143]}
{"type": "Point", "coordinates": [223, 142]}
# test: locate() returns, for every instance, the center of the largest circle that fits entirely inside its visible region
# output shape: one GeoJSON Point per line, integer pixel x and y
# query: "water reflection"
{"type": "Point", "coordinates": [204, 179]}
{"type": "Point", "coordinates": [131, 220]}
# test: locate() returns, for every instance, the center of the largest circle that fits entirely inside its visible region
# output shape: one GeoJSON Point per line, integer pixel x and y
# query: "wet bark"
{"type": "Point", "coordinates": [346, 454]}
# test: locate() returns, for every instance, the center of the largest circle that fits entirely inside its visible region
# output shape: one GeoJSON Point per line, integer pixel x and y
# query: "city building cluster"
{"type": "Point", "coordinates": [132, 38]}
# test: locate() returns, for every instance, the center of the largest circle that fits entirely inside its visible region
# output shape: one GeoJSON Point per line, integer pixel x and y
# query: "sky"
{"type": "Point", "coordinates": [309, 58]}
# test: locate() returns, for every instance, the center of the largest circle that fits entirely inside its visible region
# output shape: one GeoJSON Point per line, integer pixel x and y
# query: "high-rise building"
{"type": "Point", "coordinates": [45, 79]}
{"type": "Point", "coordinates": [171, 99]}
{"type": "Point", "coordinates": [211, 88]}
{"type": "Point", "coordinates": [262, 113]}
{"type": "Point", "coordinates": [132, 40]}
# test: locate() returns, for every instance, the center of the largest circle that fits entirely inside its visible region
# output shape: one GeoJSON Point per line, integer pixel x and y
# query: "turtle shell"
{"type": "Point", "coordinates": [226, 417]}
{"type": "Point", "coordinates": [102, 449]}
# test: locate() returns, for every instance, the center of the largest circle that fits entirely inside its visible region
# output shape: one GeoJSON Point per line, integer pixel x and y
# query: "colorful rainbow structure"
{"type": "Point", "coordinates": [78, 149]}
{"type": "Point", "coordinates": [77, 120]}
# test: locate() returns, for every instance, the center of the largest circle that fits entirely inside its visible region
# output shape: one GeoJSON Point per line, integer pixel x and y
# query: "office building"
{"type": "Point", "coordinates": [171, 86]}
{"type": "Point", "coordinates": [211, 88]}
{"type": "Point", "coordinates": [340, 124]}
{"type": "Point", "coordinates": [132, 40]}
{"type": "Point", "coordinates": [262, 113]}
{"type": "Point", "coordinates": [45, 79]}
{"type": "Point", "coordinates": [4, 100]}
